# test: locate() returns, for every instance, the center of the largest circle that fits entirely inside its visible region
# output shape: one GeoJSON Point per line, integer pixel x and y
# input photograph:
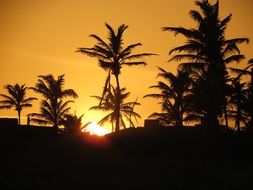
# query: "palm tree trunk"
{"type": "Point", "coordinates": [251, 94]}
{"type": "Point", "coordinates": [19, 116]}
{"type": "Point", "coordinates": [179, 122]}
{"type": "Point", "coordinates": [117, 104]}
{"type": "Point", "coordinates": [179, 117]}
{"type": "Point", "coordinates": [226, 115]}
{"type": "Point", "coordinates": [251, 79]}
{"type": "Point", "coordinates": [112, 127]}
{"type": "Point", "coordinates": [238, 118]}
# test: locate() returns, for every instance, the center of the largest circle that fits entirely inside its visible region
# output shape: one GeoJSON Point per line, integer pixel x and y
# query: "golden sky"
{"type": "Point", "coordinates": [40, 37]}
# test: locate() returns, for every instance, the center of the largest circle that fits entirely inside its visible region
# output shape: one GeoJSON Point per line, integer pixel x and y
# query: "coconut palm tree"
{"type": "Point", "coordinates": [53, 107]}
{"type": "Point", "coordinates": [16, 98]}
{"type": "Point", "coordinates": [172, 97]}
{"type": "Point", "coordinates": [207, 52]}
{"type": "Point", "coordinates": [237, 101]}
{"type": "Point", "coordinates": [112, 56]}
{"type": "Point", "coordinates": [72, 124]}
{"type": "Point", "coordinates": [107, 104]}
{"type": "Point", "coordinates": [247, 71]}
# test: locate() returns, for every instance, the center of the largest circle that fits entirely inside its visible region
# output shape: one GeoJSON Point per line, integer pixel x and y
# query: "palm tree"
{"type": "Point", "coordinates": [72, 124]}
{"type": "Point", "coordinates": [53, 108]}
{"type": "Point", "coordinates": [16, 98]}
{"type": "Point", "coordinates": [247, 71]}
{"type": "Point", "coordinates": [237, 101]}
{"type": "Point", "coordinates": [112, 56]}
{"type": "Point", "coordinates": [172, 97]}
{"type": "Point", "coordinates": [207, 52]}
{"type": "Point", "coordinates": [107, 104]}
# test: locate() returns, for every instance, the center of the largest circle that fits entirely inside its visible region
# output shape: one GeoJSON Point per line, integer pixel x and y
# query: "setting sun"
{"type": "Point", "coordinates": [94, 129]}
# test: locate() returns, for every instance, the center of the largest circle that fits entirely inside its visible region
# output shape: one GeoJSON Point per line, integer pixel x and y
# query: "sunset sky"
{"type": "Point", "coordinates": [41, 37]}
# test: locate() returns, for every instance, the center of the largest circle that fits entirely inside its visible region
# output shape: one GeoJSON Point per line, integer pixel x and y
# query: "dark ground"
{"type": "Point", "coordinates": [158, 158]}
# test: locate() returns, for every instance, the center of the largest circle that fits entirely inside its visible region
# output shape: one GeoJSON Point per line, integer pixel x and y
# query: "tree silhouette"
{"type": "Point", "coordinates": [172, 97]}
{"type": "Point", "coordinates": [247, 71]}
{"type": "Point", "coordinates": [107, 104]}
{"type": "Point", "coordinates": [237, 100]}
{"type": "Point", "coordinates": [112, 56]}
{"type": "Point", "coordinates": [16, 98]}
{"type": "Point", "coordinates": [53, 108]}
{"type": "Point", "coordinates": [72, 124]}
{"type": "Point", "coordinates": [207, 52]}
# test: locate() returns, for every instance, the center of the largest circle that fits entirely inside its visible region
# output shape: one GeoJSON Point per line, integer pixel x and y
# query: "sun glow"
{"type": "Point", "coordinates": [94, 129]}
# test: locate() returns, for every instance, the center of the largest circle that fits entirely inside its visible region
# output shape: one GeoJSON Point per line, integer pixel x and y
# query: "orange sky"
{"type": "Point", "coordinates": [40, 37]}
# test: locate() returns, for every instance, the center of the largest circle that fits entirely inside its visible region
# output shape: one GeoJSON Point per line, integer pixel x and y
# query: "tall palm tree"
{"type": "Point", "coordinates": [172, 97]}
{"type": "Point", "coordinates": [16, 98]}
{"type": "Point", "coordinates": [207, 52]}
{"type": "Point", "coordinates": [112, 56]}
{"type": "Point", "coordinates": [107, 104]}
{"type": "Point", "coordinates": [53, 107]}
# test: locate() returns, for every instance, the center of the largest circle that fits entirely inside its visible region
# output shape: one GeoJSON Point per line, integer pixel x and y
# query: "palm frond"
{"type": "Point", "coordinates": [28, 100]}
{"type": "Point", "coordinates": [237, 41]}
{"type": "Point", "coordinates": [191, 57]}
{"type": "Point", "coordinates": [190, 48]}
{"type": "Point", "coordinates": [6, 97]}
{"type": "Point", "coordinates": [234, 58]}
{"type": "Point", "coordinates": [189, 33]}
{"type": "Point", "coordinates": [137, 56]}
{"type": "Point", "coordinates": [156, 96]}
{"type": "Point", "coordinates": [39, 118]}
{"type": "Point", "coordinates": [101, 108]}
{"type": "Point", "coordinates": [107, 118]}
{"type": "Point", "coordinates": [196, 16]}
{"type": "Point", "coordinates": [92, 52]}
{"type": "Point", "coordinates": [191, 67]}
{"type": "Point", "coordinates": [225, 21]}
{"type": "Point", "coordinates": [133, 63]}
{"type": "Point", "coordinates": [69, 93]}
{"type": "Point", "coordinates": [239, 71]}
{"type": "Point", "coordinates": [106, 65]}
{"type": "Point", "coordinates": [101, 42]}
{"type": "Point", "coordinates": [127, 51]}
{"type": "Point", "coordinates": [5, 106]}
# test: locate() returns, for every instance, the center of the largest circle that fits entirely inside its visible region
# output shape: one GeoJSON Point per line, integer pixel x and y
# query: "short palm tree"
{"type": "Point", "coordinates": [53, 107]}
{"type": "Point", "coordinates": [112, 56]}
{"type": "Point", "coordinates": [107, 104]}
{"type": "Point", "coordinates": [237, 101]}
{"type": "Point", "coordinates": [16, 99]}
{"type": "Point", "coordinates": [72, 124]}
{"type": "Point", "coordinates": [207, 52]}
{"type": "Point", "coordinates": [247, 71]}
{"type": "Point", "coordinates": [172, 97]}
